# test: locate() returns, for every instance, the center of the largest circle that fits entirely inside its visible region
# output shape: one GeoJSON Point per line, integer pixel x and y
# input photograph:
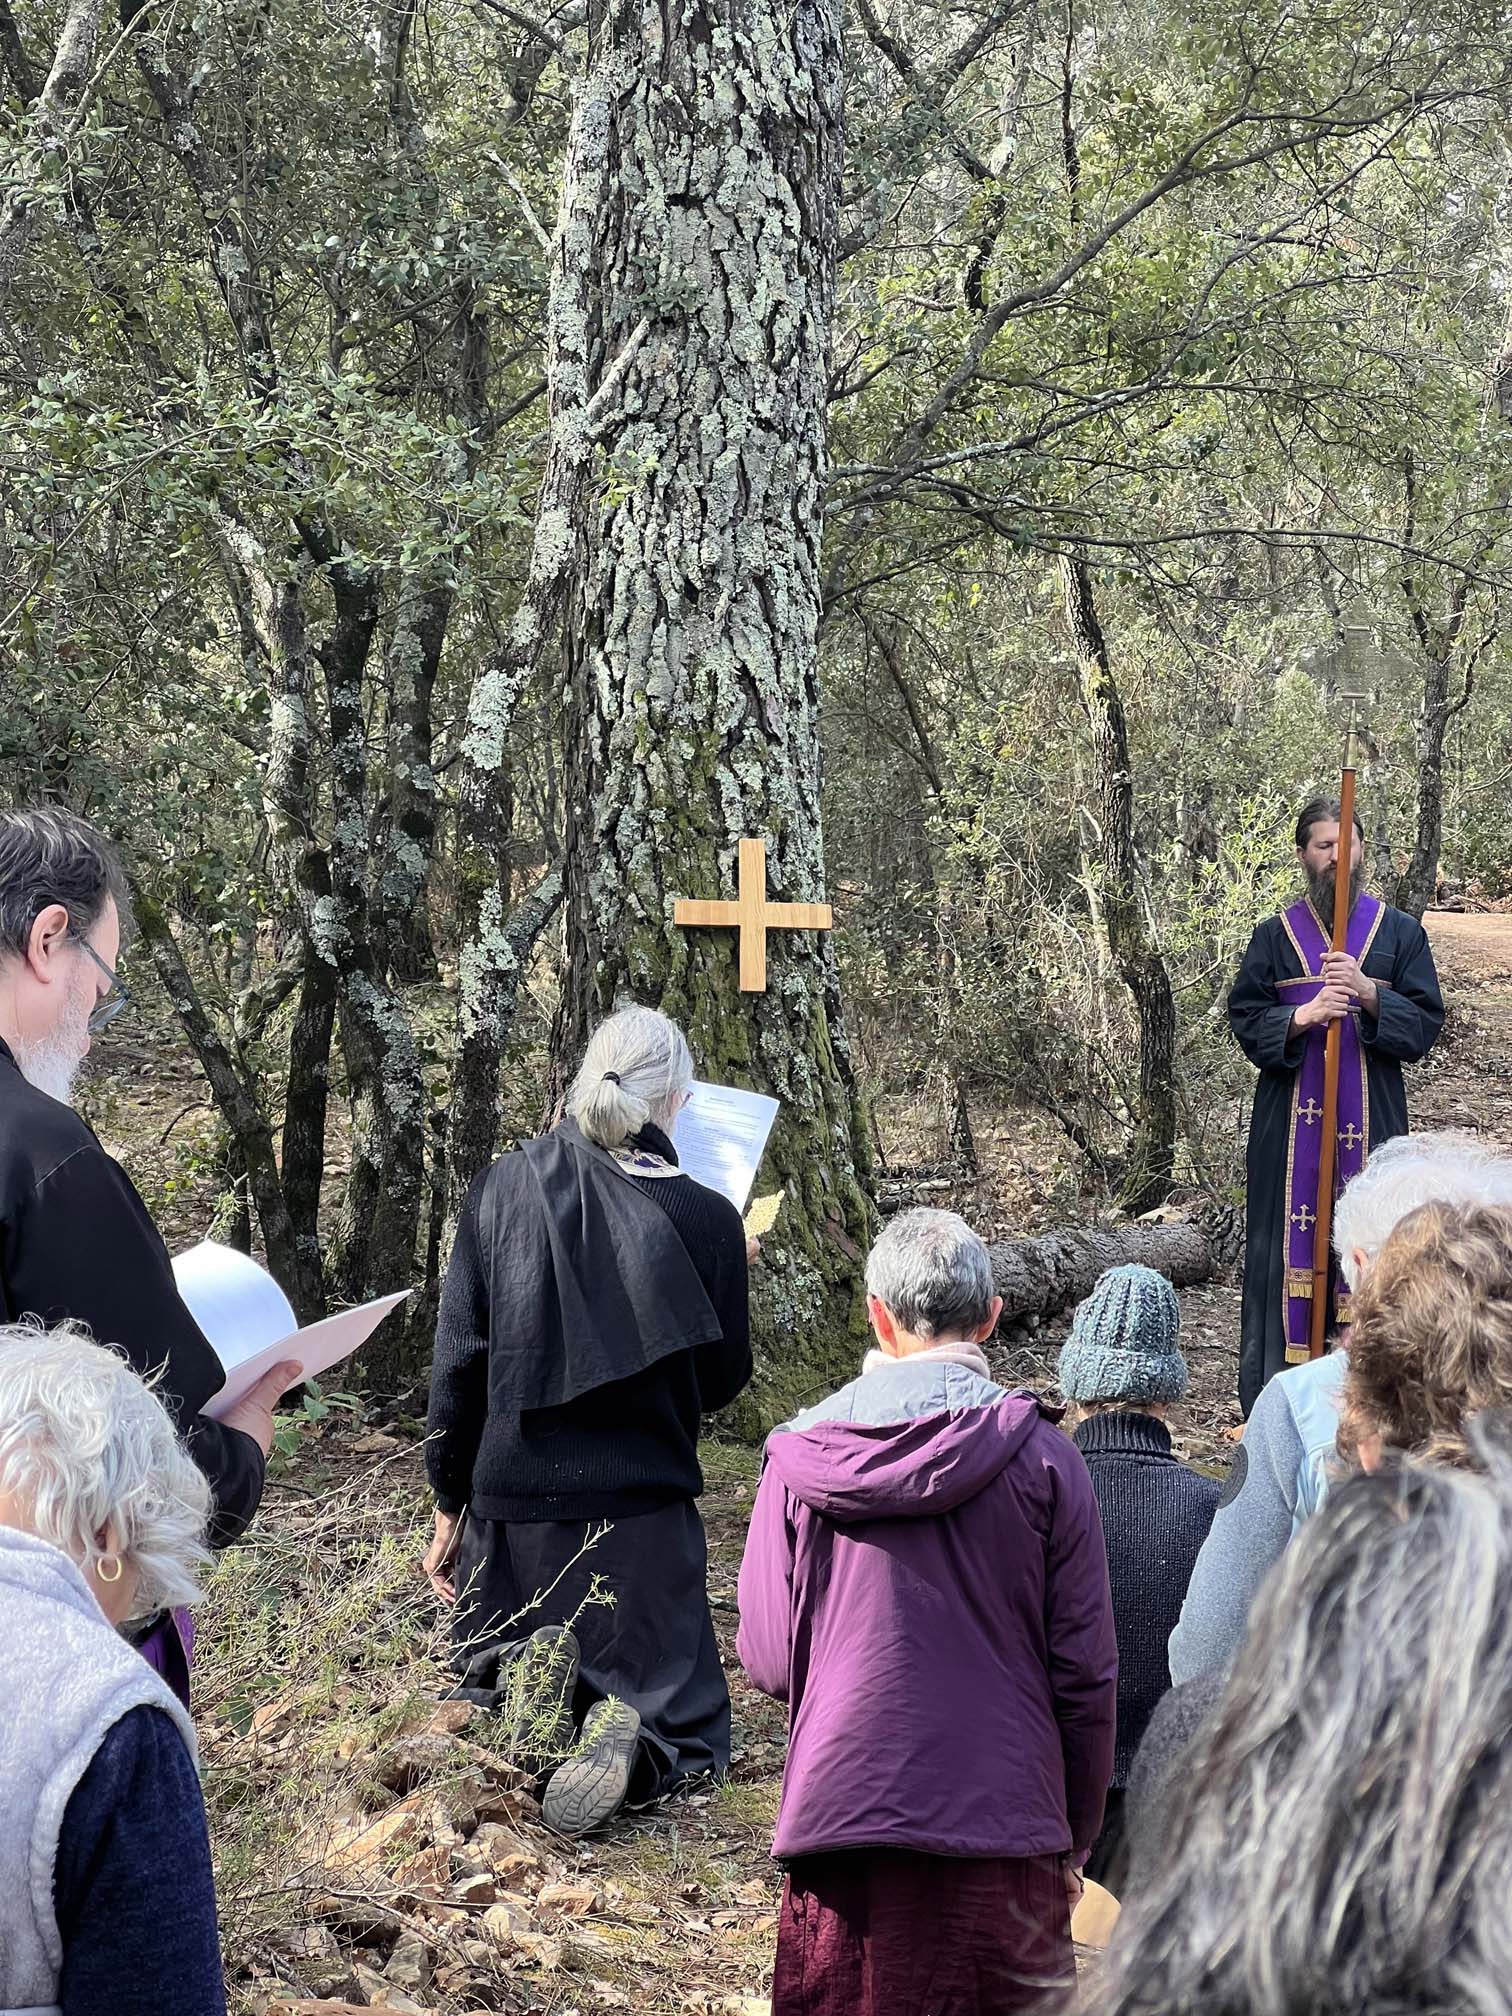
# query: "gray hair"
{"type": "Point", "coordinates": [1339, 1835]}
{"type": "Point", "coordinates": [636, 1068]}
{"type": "Point", "coordinates": [49, 856]}
{"type": "Point", "coordinates": [85, 1444]}
{"type": "Point", "coordinates": [932, 1271]}
{"type": "Point", "coordinates": [1411, 1170]}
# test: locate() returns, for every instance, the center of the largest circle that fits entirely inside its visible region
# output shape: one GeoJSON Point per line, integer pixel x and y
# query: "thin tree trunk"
{"type": "Point", "coordinates": [306, 1101]}
{"type": "Point", "coordinates": [401, 899]}
{"type": "Point", "coordinates": [59, 107]}
{"type": "Point", "coordinates": [1419, 879]}
{"type": "Point", "coordinates": [236, 1097]}
{"type": "Point", "coordinates": [380, 1220]}
{"type": "Point", "coordinates": [1442, 643]}
{"type": "Point", "coordinates": [493, 966]}
{"type": "Point", "coordinates": [233, 1214]}
{"type": "Point", "coordinates": [1131, 937]}
{"type": "Point", "coordinates": [714, 143]}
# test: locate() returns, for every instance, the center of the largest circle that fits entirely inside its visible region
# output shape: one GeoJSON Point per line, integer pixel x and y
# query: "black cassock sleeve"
{"type": "Point", "coordinates": [1262, 1025]}
{"type": "Point", "coordinates": [459, 1371]}
{"type": "Point", "coordinates": [1411, 1011]}
{"type": "Point", "coordinates": [87, 1250]}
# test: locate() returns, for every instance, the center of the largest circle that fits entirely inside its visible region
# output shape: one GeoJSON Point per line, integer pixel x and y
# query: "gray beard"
{"type": "Point", "coordinates": [52, 1064]}
{"type": "Point", "coordinates": [1320, 889]}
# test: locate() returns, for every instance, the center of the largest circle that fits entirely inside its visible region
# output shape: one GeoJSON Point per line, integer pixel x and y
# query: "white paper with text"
{"type": "Point", "coordinates": [721, 1136]}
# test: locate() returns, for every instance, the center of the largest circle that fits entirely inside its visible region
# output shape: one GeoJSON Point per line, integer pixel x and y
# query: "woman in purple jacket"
{"type": "Point", "coordinates": [924, 1585]}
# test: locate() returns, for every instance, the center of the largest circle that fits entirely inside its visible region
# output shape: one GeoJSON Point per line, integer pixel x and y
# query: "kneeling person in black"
{"type": "Point", "coordinates": [595, 1309]}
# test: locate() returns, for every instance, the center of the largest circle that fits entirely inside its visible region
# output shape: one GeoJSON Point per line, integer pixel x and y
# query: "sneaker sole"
{"type": "Point", "coordinates": [586, 1791]}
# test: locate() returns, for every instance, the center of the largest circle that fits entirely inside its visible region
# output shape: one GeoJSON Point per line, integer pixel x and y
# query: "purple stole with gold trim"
{"type": "Point", "coordinates": [1310, 941]}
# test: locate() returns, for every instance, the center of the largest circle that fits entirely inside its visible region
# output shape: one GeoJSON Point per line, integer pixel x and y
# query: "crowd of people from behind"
{"type": "Point", "coordinates": [1021, 1645]}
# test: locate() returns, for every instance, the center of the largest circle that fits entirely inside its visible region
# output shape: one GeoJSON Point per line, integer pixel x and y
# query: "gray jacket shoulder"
{"type": "Point", "coordinates": [901, 1392]}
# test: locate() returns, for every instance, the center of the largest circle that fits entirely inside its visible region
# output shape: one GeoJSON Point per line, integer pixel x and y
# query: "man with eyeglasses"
{"type": "Point", "coordinates": [76, 1241]}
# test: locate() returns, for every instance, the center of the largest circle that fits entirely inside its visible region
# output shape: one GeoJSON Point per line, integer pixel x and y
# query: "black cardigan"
{"type": "Point", "coordinates": [626, 1447]}
{"type": "Point", "coordinates": [1155, 1516]}
{"type": "Point", "coordinates": [76, 1242]}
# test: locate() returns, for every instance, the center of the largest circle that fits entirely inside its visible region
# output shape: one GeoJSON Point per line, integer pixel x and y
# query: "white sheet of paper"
{"type": "Point", "coordinates": [721, 1136]}
{"type": "Point", "coordinates": [247, 1317]}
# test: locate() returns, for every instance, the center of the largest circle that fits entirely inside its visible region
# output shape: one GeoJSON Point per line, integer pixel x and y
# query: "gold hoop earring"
{"type": "Point", "coordinates": [113, 1573]}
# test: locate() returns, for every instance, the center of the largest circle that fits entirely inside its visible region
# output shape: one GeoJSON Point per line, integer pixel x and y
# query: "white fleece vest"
{"type": "Point", "coordinates": [66, 1679]}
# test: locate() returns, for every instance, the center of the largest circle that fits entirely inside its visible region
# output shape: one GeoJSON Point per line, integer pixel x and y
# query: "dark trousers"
{"type": "Point", "coordinates": [652, 1646]}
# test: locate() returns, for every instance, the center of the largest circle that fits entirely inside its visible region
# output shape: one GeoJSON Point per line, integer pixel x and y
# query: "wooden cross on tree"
{"type": "Point", "coordinates": [752, 916]}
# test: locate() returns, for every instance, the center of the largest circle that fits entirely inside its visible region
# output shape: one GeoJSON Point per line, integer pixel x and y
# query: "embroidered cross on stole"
{"type": "Point", "coordinates": [1310, 941]}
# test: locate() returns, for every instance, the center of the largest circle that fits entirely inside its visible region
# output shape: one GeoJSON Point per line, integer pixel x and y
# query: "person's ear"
{"type": "Point", "coordinates": [985, 1330]}
{"type": "Point", "coordinates": [1370, 1449]}
{"type": "Point", "coordinates": [48, 934]}
{"type": "Point", "coordinates": [1359, 1260]}
{"type": "Point", "coordinates": [884, 1324]}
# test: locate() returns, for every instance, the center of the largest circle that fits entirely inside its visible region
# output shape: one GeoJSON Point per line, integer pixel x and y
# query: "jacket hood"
{"type": "Point", "coordinates": [852, 1471]}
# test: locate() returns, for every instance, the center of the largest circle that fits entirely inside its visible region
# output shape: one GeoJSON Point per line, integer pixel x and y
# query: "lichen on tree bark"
{"type": "Point", "coordinates": [713, 139]}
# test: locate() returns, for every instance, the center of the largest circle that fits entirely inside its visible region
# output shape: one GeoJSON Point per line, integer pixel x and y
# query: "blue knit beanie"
{"type": "Point", "coordinates": [1123, 1341]}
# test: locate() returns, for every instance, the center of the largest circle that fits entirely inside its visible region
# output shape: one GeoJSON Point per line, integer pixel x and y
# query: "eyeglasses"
{"type": "Point", "coordinates": [109, 1005]}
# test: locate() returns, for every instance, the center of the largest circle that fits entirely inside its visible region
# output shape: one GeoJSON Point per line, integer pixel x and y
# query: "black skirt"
{"type": "Point", "coordinates": [653, 1647]}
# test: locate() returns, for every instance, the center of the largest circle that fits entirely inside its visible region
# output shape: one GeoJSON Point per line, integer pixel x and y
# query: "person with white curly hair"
{"type": "Point", "coordinates": [107, 1900]}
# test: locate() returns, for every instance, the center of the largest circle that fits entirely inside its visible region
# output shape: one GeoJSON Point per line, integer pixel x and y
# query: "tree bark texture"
{"type": "Point", "coordinates": [306, 1101]}
{"type": "Point", "coordinates": [1131, 936]}
{"type": "Point", "coordinates": [1040, 1277]}
{"type": "Point", "coordinates": [380, 1221]}
{"type": "Point", "coordinates": [56, 114]}
{"type": "Point", "coordinates": [710, 140]}
{"type": "Point", "coordinates": [235, 1094]}
{"type": "Point", "coordinates": [402, 894]}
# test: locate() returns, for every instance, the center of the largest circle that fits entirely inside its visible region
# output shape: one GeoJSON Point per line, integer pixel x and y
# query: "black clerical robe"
{"type": "Point", "coordinates": [1408, 1021]}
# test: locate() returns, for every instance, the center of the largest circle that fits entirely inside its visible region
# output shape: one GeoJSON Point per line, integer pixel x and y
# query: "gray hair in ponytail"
{"type": "Point", "coordinates": [636, 1068]}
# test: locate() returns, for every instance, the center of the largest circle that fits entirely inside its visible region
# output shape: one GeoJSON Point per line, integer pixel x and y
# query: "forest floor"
{"type": "Point", "coordinates": [373, 1852]}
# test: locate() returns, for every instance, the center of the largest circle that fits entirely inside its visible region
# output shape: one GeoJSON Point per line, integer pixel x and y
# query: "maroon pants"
{"type": "Point", "coordinates": [892, 1932]}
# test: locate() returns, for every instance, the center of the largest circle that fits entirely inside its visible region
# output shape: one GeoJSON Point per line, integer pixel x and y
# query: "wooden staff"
{"type": "Point", "coordinates": [1323, 1230]}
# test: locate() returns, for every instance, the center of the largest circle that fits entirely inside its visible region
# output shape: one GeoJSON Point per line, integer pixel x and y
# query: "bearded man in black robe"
{"type": "Point", "coordinates": [1291, 988]}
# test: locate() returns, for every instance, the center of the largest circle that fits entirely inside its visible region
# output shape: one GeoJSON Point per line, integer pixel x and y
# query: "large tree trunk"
{"type": "Point", "coordinates": [1131, 937]}
{"type": "Point", "coordinates": [710, 145]}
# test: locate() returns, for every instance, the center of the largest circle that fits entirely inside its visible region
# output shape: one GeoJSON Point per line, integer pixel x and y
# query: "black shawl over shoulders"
{"type": "Point", "coordinates": [591, 1316]}
{"type": "Point", "coordinates": [589, 1282]}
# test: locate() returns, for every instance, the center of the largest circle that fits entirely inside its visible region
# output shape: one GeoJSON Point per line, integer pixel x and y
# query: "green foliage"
{"type": "Point", "coordinates": [1213, 295]}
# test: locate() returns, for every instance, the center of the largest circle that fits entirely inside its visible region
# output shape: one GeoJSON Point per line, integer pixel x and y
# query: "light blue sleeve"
{"type": "Point", "coordinates": [1250, 1531]}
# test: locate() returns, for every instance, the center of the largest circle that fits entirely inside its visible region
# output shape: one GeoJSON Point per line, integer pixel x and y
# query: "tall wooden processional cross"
{"type": "Point", "coordinates": [752, 915]}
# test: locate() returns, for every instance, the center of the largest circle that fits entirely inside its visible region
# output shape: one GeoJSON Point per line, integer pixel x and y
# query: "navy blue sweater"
{"type": "Point", "coordinates": [1155, 1516]}
{"type": "Point", "coordinates": [132, 1884]}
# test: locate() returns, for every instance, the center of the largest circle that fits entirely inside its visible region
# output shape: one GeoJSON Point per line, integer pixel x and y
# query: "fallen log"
{"type": "Point", "coordinates": [1040, 1277]}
